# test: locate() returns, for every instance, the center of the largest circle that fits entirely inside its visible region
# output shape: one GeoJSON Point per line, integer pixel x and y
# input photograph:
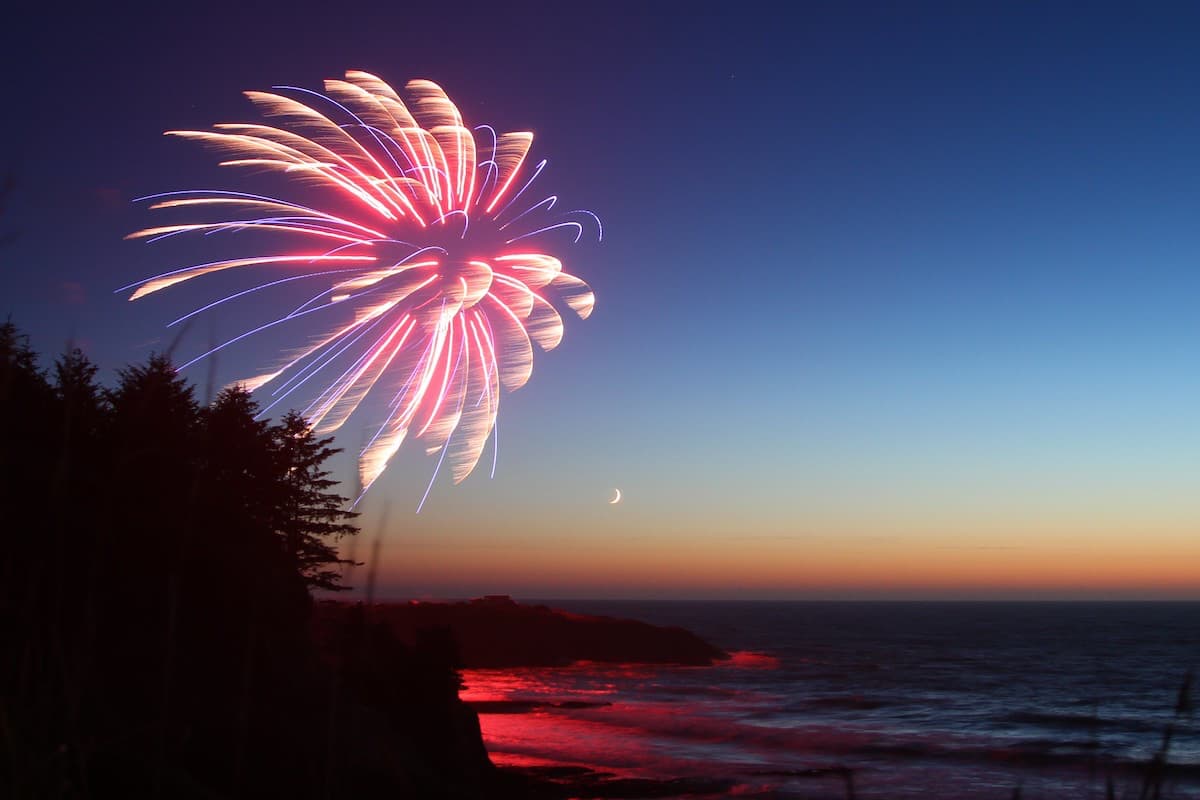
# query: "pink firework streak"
{"type": "Point", "coordinates": [435, 272]}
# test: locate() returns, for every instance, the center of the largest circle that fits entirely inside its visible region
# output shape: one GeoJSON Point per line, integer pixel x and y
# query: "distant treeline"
{"type": "Point", "coordinates": [156, 563]}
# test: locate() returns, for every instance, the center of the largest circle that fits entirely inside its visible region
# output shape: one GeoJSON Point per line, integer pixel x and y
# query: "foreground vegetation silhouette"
{"type": "Point", "coordinates": [158, 636]}
{"type": "Point", "coordinates": [156, 565]}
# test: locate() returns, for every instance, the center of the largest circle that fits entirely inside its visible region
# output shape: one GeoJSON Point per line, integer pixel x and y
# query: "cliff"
{"type": "Point", "coordinates": [496, 632]}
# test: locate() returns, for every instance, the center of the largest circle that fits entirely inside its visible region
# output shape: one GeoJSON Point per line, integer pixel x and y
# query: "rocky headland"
{"type": "Point", "coordinates": [496, 632]}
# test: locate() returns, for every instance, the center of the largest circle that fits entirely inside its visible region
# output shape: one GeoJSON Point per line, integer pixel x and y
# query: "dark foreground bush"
{"type": "Point", "coordinates": [156, 563]}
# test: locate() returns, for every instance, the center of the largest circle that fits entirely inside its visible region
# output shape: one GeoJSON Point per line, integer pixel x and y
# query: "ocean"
{"type": "Point", "coordinates": [876, 700]}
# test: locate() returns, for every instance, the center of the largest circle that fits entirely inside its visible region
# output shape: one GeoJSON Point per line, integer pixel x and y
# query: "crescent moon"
{"type": "Point", "coordinates": [616, 499]}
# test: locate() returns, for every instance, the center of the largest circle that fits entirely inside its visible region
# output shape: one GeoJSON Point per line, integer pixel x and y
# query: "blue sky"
{"type": "Point", "coordinates": [924, 275]}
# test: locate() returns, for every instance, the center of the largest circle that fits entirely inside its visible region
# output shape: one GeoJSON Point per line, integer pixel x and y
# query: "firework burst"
{"type": "Point", "coordinates": [424, 243]}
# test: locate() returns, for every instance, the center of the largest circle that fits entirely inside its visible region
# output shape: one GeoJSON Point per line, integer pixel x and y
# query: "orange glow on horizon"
{"type": "Point", "coordinates": [698, 565]}
{"type": "Point", "coordinates": [702, 569]}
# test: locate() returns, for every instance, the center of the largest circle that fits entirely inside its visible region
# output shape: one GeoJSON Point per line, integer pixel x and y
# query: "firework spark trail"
{"type": "Point", "coordinates": [445, 332]}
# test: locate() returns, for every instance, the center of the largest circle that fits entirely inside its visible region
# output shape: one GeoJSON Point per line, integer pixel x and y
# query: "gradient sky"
{"type": "Point", "coordinates": [895, 300]}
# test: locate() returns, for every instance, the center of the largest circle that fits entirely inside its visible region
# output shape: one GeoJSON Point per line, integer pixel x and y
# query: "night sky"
{"type": "Point", "coordinates": [894, 300]}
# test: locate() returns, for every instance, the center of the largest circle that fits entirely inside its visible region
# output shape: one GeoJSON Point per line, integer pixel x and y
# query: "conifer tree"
{"type": "Point", "coordinates": [314, 518]}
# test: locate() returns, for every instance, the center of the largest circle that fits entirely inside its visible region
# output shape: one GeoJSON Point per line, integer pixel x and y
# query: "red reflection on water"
{"type": "Point", "coordinates": [746, 659]}
{"type": "Point", "coordinates": [543, 685]}
{"type": "Point", "coordinates": [729, 723]}
{"type": "Point", "coordinates": [598, 716]}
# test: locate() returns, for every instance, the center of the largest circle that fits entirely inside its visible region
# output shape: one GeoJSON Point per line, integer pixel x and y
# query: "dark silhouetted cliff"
{"type": "Point", "coordinates": [496, 632]}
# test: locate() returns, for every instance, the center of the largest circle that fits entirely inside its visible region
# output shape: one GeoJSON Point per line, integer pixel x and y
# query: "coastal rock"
{"type": "Point", "coordinates": [497, 632]}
